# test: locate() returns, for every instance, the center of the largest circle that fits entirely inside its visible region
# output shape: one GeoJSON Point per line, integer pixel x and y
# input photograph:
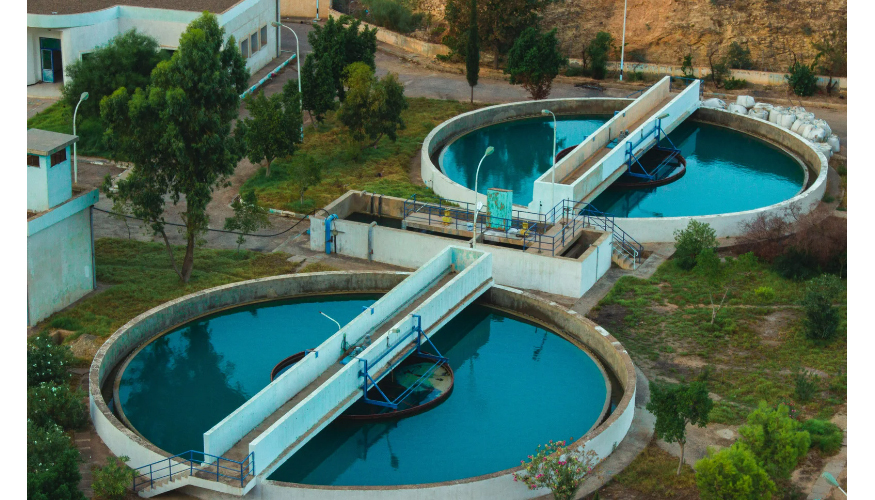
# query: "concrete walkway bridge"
{"type": "Point", "coordinates": [250, 443]}
{"type": "Point", "coordinates": [617, 146]}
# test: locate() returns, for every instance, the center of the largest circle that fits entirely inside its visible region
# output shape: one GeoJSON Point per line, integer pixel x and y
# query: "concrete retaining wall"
{"type": "Point", "coordinates": [123, 441]}
{"type": "Point", "coordinates": [398, 40]}
{"type": "Point", "coordinates": [307, 418]}
{"type": "Point", "coordinates": [444, 133]}
{"type": "Point", "coordinates": [660, 229]}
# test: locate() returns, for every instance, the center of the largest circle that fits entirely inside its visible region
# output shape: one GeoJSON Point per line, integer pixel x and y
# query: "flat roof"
{"type": "Point", "coordinates": [44, 143]}
{"type": "Point", "coordinates": [79, 6]}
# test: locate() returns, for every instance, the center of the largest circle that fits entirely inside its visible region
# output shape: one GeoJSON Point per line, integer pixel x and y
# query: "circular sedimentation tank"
{"type": "Point", "coordinates": [517, 383]}
{"type": "Point", "coordinates": [726, 170]}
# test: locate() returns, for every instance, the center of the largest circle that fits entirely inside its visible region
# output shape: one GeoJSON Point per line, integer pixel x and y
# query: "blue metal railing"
{"type": "Point", "coordinates": [582, 214]}
{"type": "Point", "coordinates": [195, 463]}
{"type": "Point", "coordinates": [632, 159]}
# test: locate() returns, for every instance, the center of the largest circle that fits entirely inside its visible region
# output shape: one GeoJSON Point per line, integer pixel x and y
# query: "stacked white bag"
{"type": "Point", "coordinates": [738, 109]}
{"type": "Point", "coordinates": [760, 113]}
{"type": "Point", "coordinates": [714, 103]}
{"type": "Point", "coordinates": [833, 141]}
{"type": "Point", "coordinates": [775, 113]}
{"type": "Point", "coordinates": [746, 101]}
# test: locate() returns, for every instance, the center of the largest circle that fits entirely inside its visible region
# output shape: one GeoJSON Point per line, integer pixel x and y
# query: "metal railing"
{"type": "Point", "coordinates": [189, 464]}
{"type": "Point", "coordinates": [580, 214]}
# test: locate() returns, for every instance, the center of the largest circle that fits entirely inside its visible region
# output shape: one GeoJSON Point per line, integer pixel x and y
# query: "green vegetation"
{"type": "Point", "coordinates": [534, 61]}
{"type": "Point", "coordinates": [832, 55]}
{"type": "Point", "coordinates": [806, 386]}
{"type": "Point", "coordinates": [392, 15]}
{"type": "Point", "coordinates": [59, 118]}
{"type": "Point", "coordinates": [52, 464]}
{"type": "Point", "coordinates": [733, 474]}
{"type": "Point", "coordinates": [687, 66]}
{"type": "Point", "coordinates": [372, 107]}
{"type": "Point", "coordinates": [248, 217]}
{"type": "Point", "coordinates": [317, 88]}
{"type": "Point", "coordinates": [775, 439]}
{"type": "Point", "coordinates": [821, 317]}
{"type": "Point", "coordinates": [337, 44]}
{"type": "Point", "coordinates": [825, 436]}
{"type": "Point", "coordinates": [802, 79]}
{"type": "Point", "coordinates": [690, 242]}
{"type": "Point", "coordinates": [56, 404]}
{"type": "Point", "coordinates": [732, 83]}
{"type": "Point", "coordinates": [177, 133]}
{"type": "Point", "coordinates": [558, 468]}
{"type": "Point", "coordinates": [111, 482]}
{"type": "Point", "coordinates": [652, 475]}
{"type": "Point", "coordinates": [46, 361]}
{"type": "Point", "coordinates": [597, 53]}
{"type": "Point", "coordinates": [749, 347]}
{"type": "Point", "coordinates": [271, 129]}
{"type": "Point", "coordinates": [345, 166]}
{"type": "Point", "coordinates": [738, 57]}
{"type": "Point", "coordinates": [676, 406]}
{"type": "Point", "coordinates": [140, 280]}
{"type": "Point", "coordinates": [472, 51]}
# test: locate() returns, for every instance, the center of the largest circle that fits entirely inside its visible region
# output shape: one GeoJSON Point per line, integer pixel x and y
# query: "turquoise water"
{"type": "Point", "coordinates": [186, 381]}
{"type": "Point", "coordinates": [523, 151]}
{"type": "Point", "coordinates": [727, 171]}
{"type": "Point", "coordinates": [516, 386]}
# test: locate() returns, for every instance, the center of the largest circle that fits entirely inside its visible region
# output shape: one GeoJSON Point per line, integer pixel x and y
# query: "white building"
{"type": "Point", "coordinates": [61, 31]}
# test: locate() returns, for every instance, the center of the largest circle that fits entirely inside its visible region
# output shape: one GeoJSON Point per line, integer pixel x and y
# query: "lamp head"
{"type": "Point", "coordinates": [84, 96]}
{"type": "Point", "coordinates": [275, 24]}
{"type": "Point", "coordinates": [664, 115]}
{"type": "Point", "coordinates": [489, 151]}
{"type": "Point", "coordinates": [545, 112]}
{"type": "Point", "coordinates": [830, 479]}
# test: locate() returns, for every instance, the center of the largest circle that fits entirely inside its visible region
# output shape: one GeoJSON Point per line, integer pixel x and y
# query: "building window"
{"type": "Point", "coordinates": [58, 157]}
{"type": "Point", "coordinates": [33, 161]}
{"type": "Point", "coordinates": [244, 48]}
{"type": "Point", "coordinates": [253, 42]}
{"type": "Point", "coordinates": [264, 35]}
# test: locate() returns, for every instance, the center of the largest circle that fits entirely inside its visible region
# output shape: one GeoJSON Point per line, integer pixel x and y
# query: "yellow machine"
{"type": "Point", "coordinates": [524, 231]}
{"type": "Point", "coordinates": [446, 218]}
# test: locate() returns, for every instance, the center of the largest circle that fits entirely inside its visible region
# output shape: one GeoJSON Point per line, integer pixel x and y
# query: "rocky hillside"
{"type": "Point", "coordinates": [662, 31]}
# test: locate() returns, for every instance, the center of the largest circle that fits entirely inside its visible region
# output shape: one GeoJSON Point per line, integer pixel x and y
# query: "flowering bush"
{"type": "Point", "coordinates": [111, 482]}
{"type": "Point", "coordinates": [49, 404]}
{"type": "Point", "coordinates": [52, 465]}
{"type": "Point", "coordinates": [556, 467]}
{"type": "Point", "coordinates": [47, 362]}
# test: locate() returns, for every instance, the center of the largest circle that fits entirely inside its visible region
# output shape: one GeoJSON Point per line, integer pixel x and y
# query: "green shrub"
{"type": "Point", "coordinates": [738, 57]}
{"type": "Point", "coordinates": [825, 436]}
{"type": "Point", "coordinates": [776, 439]}
{"type": "Point", "coordinates": [52, 465]}
{"type": "Point", "coordinates": [393, 15]}
{"type": "Point", "coordinates": [765, 294]}
{"type": "Point", "coordinates": [49, 404]}
{"type": "Point", "coordinates": [598, 52]}
{"type": "Point", "coordinates": [806, 386]}
{"type": "Point", "coordinates": [732, 473]}
{"type": "Point", "coordinates": [690, 242]}
{"type": "Point", "coordinates": [795, 264]}
{"type": "Point", "coordinates": [733, 83]}
{"type": "Point", "coordinates": [112, 481]}
{"type": "Point", "coordinates": [821, 317]}
{"type": "Point", "coordinates": [65, 323]}
{"type": "Point", "coordinates": [575, 71]}
{"type": "Point", "coordinates": [801, 78]}
{"type": "Point", "coordinates": [47, 362]}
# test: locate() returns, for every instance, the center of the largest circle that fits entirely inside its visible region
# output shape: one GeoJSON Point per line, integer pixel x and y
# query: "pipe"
{"type": "Point", "coordinates": [328, 233]}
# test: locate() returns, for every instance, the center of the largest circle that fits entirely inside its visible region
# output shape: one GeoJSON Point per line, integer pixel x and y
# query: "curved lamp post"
{"type": "Point", "coordinates": [488, 152]}
{"type": "Point", "coordinates": [298, 55]}
{"type": "Point", "coordinates": [553, 168]}
{"type": "Point", "coordinates": [83, 97]}
{"type": "Point", "coordinates": [623, 43]}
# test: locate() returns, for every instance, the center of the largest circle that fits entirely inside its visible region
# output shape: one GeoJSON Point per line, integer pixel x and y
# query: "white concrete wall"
{"type": "Point", "coordinates": [661, 229]}
{"type": "Point", "coordinates": [307, 418]}
{"type": "Point", "coordinates": [59, 265]}
{"type": "Point", "coordinates": [446, 131]}
{"type": "Point", "coordinates": [83, 39]}
{"type": "Point", "coordinates": [220, 439]}
{"type": "Point", "coordinates": [592, 183]}
{"type": "Point", "coordinates": [247, 18]}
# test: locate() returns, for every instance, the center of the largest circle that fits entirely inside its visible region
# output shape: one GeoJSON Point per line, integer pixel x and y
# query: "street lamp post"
{"type": "Point", "coordinates": [488, 152]}
{"type": "Point", "coordinates": [82, 97]}
{"type": "Point", "coordinates": [298, 55]}
{"type": "Point", "coordinates": [553, 168]}
{"type": "Point", "coordinates": [623, 43]}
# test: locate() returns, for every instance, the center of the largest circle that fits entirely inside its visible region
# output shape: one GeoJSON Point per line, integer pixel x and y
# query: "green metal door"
{"type": "Point", "coordinates": [48, 72]}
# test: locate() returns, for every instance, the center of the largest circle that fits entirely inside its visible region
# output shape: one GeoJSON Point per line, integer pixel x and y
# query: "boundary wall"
{"type": "Point", "coordinates": [542, 192]}
{"type": "Point", "coordinates": [511, 267]}
{"type": "Point", "coordinates": [449, 130]}
{"type": "Point", "coordinates": [728, 225]}
{"type": "Point", "coordinates": [225, 434]}
{"type": "Point", "coordinates": [122, 440]}
{"type": "Point", "coordinates": [295, 429]}
{"type": "Point", "coordinates": [394, 39]}
{"type": "Point", "coordinates": [612, 165]}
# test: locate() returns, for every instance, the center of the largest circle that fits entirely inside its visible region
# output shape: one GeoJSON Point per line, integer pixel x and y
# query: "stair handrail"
{"type": "Point", "coordinates": [245, 468]}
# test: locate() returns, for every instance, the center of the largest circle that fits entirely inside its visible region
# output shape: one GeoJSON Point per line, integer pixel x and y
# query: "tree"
{"type": "Point", "coordinates": [126, 61]}
{"type": "Point", "coordinates": [340, 43]}
{"type": "Point", "coordinates": [52, 465]}
{"type": "Point", "coordinates": [723, 277]}
{"type": "Point", "coordinates": [832, 56]}
{"type": "Point", "coordinates": [305, 174]}
{"type": "Point", "coordinates": [719, 68]}
{"type": "Point", "coordinates": [500, 23]}
{"type": "Point", "coordinates": [534, 61]}
{"type": "Point", "coordinates": [273, 128]}
{"type": "Point", "coordinates": [777, 441]}
{"type": "Point", "coordinates": [111, 482]}
{"type": "Point", "coordinates": [738, 57]}
{"type": "Point", "coordinates": [821, 317]}
{"type": "Point", "coordinates": [248, 217]}
{"type": "Point", "coordinates": [801, 78]}
{"type": "Point", "coordinates": [599, 49]}
{"type": "Point", "coordinates": [472, 54]}
{"type": "Point", "coordinates": [372, 107]}
{"type": "Point", "coordinates": [558, 468]}
{"type": "Point", "coordinates": [676, 406]}
{"type": "Point", "coordinates": [177, 133]}
{"type": "Point", "coordinates": [733, 474]}
{"type": "Point", "coordinates": [317, 88]}
{"type": "Point", "coordinates": [690, 242]}
{"type": "Point", "coordinates": [687, 66]}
